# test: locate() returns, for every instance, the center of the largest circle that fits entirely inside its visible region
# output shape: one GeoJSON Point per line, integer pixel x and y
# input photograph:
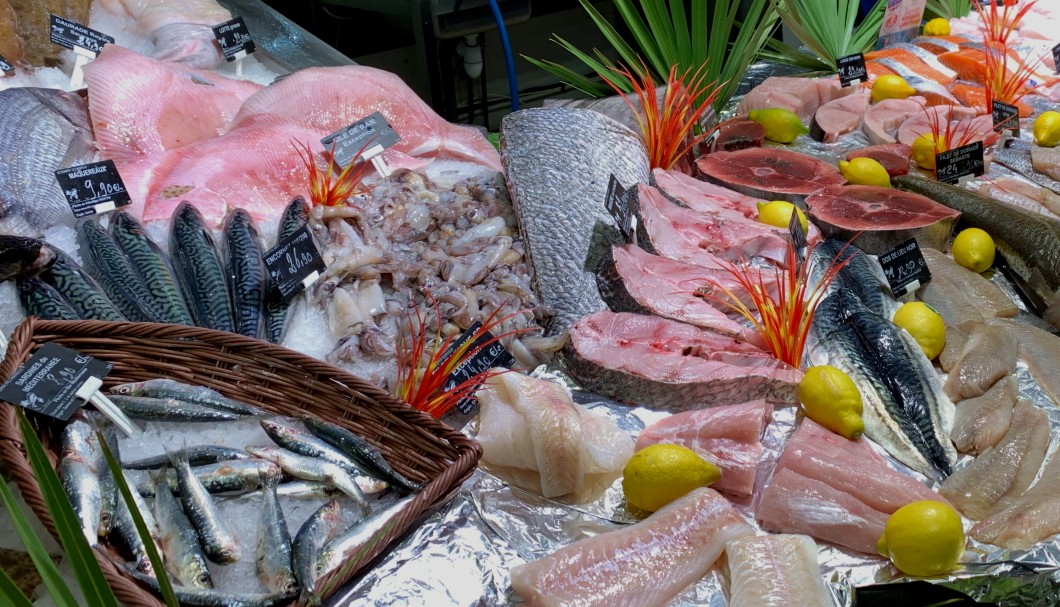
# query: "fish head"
{"type": "Point", "coordinates": [19, 255]}
{"type": "Point", "coordinates": [133, 389]}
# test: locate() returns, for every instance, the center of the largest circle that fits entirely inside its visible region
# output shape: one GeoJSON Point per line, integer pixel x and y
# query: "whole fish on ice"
{"type": "Point", "coordinates": [180, 30]}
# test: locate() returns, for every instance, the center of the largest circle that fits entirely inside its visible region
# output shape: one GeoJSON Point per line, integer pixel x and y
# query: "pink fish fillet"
{"type": "Point", "coordinates": [327, 99]}
{"type": "Point", "coordinates": [841, 116]}
{"type": "Point", "coordinates": [643, 565]}
{"type": "Point", "coordinates": [1029, 519]}
{"type": "Point", "coordinates": [981, 422]}
{"type": "Point", "coordinates": [800, 95]}
{"type": "Point", "coordinates": [776, 571]}
{"type": "Point", "coordinates": [730, 437]}
{"type": "Point", "coordinates": [883, 119]}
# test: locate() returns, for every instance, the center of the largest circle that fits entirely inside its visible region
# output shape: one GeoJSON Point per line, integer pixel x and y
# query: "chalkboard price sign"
{"type": "Point", "coordinates": [48, 382]}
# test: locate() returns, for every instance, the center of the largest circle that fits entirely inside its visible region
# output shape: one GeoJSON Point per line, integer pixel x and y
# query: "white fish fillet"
{"type": "Point", "coordinates": [981, 422]}
{"type": "Point", "coordinates": [643, 565]}
{"type": "Point", "coordinates": [985, 295]}
{"type": "Point", "coordinates": [988, 356]}
{"type": "Point", "coordinates": [1041, 351]}
{"type": "Point", "coordinates": [776, 571]}
{"type": "Point", "coordinates": [1029, 519]}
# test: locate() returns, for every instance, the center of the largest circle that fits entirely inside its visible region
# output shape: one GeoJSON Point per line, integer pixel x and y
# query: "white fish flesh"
{"type": "Point", "coordinates": [1029, 519]}
{"type": "Point", "coordinates": [988, 356]}
{"type": "Point", "coordinates": [982, 421]}
{"type": "Point", "coordinates": [1040, 350]}
{"type": "Point", "coordinates": [775, 571]}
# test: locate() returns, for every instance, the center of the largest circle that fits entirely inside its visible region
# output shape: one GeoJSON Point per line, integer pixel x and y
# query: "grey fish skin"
{"type": "Point", "coordinates": [313, 469]}
{"type": "Point", "coordinates": [79, 474]}
{"type": "Point", "coordinates": [1021, 235]}
{"type": "Point", "coordinates": [233, 476]}
{"type": "Point", "coordinates": [557, 163]}
{"type": "Point", "coordinates": [169, 410]}
{"type": "Point", "coordinates": [319, 529]}
{"type": "Point", "coordinates": [861, 275]}
{"type": "Point", "coordinates": [108, 489]}
{"type": "Point", "coordinates": [199, 395]}
{"type": "Point", "coordinates": [179, 540]}
{"type": "Point", "coordinates": [23, 256]}
{"type": "Point", "coordinates": [41, 130]}
{"type": "Point", "coordinates": [81, 290]}
{"type": "Point", "coordinates": [199, 270]}
{"type": "Point", "coordinates": [1020, 161]}
{"type": "Point", "coordinates": [306, 444]}
{"type": "Point", "coordinates": [275, 556]}
{"type": "Point", "coordinates": [247, 276]}
{"type": "Point", "coordinates": [215, 536]}
{"type": "Point", "coordinates": [361, 451]}
{"type": "Point", "coordinates": [126, 528]}
{"type": "Point", "coordinates": [346, 545]}
{"type": "Point", "coordinates": [40, 299]}
{"type": "Point", "coordinates": [204, 597]}
{"type": "Point", "coordinates": [197, 456]}
{"type": "Point", "coordinates": [115, 273]}
{"type": "Point", "coordinates": [152, 267]}
{"type": "Point", "coordinates": [294, 216]}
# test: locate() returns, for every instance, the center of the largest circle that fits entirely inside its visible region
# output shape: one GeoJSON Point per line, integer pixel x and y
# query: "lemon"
{"type": "Point", "coordinates": [1047, 129]}
{"type": "Point", "coordinates": [937, 27]}
{"type": "Point", "coordinates": [891, 87]}
{"type": "Point", "coordinates": [778, 213]}
{"type": "Point", "coordinates": [924, 150]}
{"type": "Point", "coordinates": [923, 538]}
{"type": "Point", "coordinates": [780, 125]}
{"type": "Point", "coordinates": [924, 324]}
{"type": "Point", "coordinates": [830, 398]}
{"type": "Point", "coordinates": [974, 249]}
{"type": "Point", "coordinates": [865, 171]}
{"type": "Point", "coordinates": [658, 474]}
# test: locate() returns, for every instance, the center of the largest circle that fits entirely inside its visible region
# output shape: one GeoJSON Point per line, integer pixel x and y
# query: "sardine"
{"type": "Point", "coordinates": [40, 299]}
{"type": "Point", "coordinates": [199, 270]}
{"type": "Point", "coordinates": [295, 215]}
{"type": "Point", "coordinates": [247, 276]}
{"type": "Point", "coordinates": [197, 456]}
{"type": "Point", "coordinates": [80, 290]}
{"type": "Point", "coordinates": [215, 536]}
{"type": "Point", "coordinates": [311, 489]}
{"type": "Point", "coordinates": [79, 464]}
{"type": "Point", "coordinates": [126, 528]}
{"type": "Point", "coordinates": [115, 273]}
{"type": "Point", "coordinates": [360, 451]}
{"type": "Point", "coordinates": [275, 558]}
{"type": "Point", "coordinates": [558, 162]}
{"type": "Point", "coordinates": [312, 469]}
{"type": "Point", "coordinates": [169, 410]}
{"type": "Point", "coordinates": [319, 529]}
{"type": "Point", "coordinates": [179, 540]}
{"type": "Point", "coordinates": [348, 544]}
{"type": "Point", "coordinates": [234, 476]}
{"type": "Point", "coordinates": [152, 267]}
{"type": "Point", "coordinates": [304, 443]}
{"type": "Point", "coordinates": [108, 489]}
{"type": "Point", "coordinates": [199, 395]}
{"type": "Point", "coordinates": [23, 256]}
{"type": "Point", "coordinates": [204, 597]}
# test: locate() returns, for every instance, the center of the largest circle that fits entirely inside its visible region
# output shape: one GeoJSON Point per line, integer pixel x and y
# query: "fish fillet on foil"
{"type": "Point", "coordinates": [776, 571]}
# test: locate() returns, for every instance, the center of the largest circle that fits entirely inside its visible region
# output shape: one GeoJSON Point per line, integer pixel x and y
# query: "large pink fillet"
{"type": "Point", "coordinates": [327, 99]}
{"type": "Point", "coordinates": [643, 565]}
{"type": "Point", "coordinates": [1029, 519]}
{"type": "Point", "coordinates": [728, 436]}
{"type": "Point", "coordinates": [693, 193]}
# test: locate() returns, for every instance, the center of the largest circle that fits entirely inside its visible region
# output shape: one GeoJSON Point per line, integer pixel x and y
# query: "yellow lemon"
{"type": "Point", "coordinates": [923, 538]}
{"type": "Point", "coordinates": [924, 324]}
{"type": "Point", "coordinates": [937, 27]}
{"type": "Point", "coordinates": [830, 398]}
{"type": "Point", "coordinates": [891, 87]}
{"type": "Point", "coordinates": [924, 150]}
{"type": "Point", "coordinates": [778, 213]}
{"type": "Point", "coordinates": [780, 125]}
{"type": "Point", "coordinates": [865, 171]}
{"type": "Point", "coordinates": [1047, 129]}
{"type": "Point", "coordinates": [974, 249]}
{"type": "Point", "coordinates": [658, 474]}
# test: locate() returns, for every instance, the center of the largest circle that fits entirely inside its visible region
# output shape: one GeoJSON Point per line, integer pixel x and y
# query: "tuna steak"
{"type": "Point", "coordinates": [672, 366]}
{"type": "Point", "coordinates": [737, 134]}
{"type": "Point", "coordinates": [769, 173]}
{"type": "Point", "coordinates": [893, 156]}
{"type": "Point", "coordinates": [881, 218]}
{"type": "Point", "coordinates": [839, 117]}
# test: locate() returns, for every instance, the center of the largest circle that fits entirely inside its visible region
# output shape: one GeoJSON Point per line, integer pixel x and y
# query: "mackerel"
{"type": "Point", "coordinates": [247, 276]}
{"type": "Point", "coordinates": [275, 558]}
{"type": "Point", "coordinates": [179, 540]}
{"type": "Point", "coordinates": [169, 410]}
{"type": "Point", "coordinates": [40, 299]}
{"type": "Point", "coordinates": [319, 529]}
{"type": "Point", "coordinates": [81, 290]}
{"type": "Point", "coordinates": [313, 469]}
{"type": "Point", "coordinates": [348, 545]}
{"type": "Point", "coordinates": [199, 271]}
{"type": "Point", "coordinates": [199, 395]}
{"type": "Point", "coordinates": [860, 275]}
{"type": "Point", "coordinates": [126, 528]}
{"type": "Point", "coordinates": [295, 215]}
{"type": "Point", "coordinates": [109, 265]}
{"type": "Point", "coordinates": [360, 451]}
{"type": "Point", "coordinates": [23, 256]}
{"type": "Point", "coordinates": [197, 456]}
{"type": "Point", "coordinates": [151, 266]}
{"type": "Point", "coordinates": [235, 476]}
{"type": "Point", "coordinates": [79, 465]}
{"type": "Point", "coordinates": [215, 536]}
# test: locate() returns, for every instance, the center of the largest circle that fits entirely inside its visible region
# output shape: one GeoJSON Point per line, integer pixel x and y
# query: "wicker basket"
{"type": "Point", "coordinates": [271, 377]}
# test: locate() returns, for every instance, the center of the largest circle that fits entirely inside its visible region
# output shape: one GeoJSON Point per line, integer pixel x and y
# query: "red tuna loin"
{"type": "Point", "coordinates": [737, 134]}
{"type": "Point", "coordinates": [769, 173]}
{"type": "Point", "coordinates": [893, 156]}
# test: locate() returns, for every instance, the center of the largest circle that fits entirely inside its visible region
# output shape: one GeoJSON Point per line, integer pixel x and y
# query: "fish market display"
{"type": "Point", "coordinates": [317, 531]}
{"type": "Point", "coordinates": [1027, 520]}
{"type": "Point", "coordinates": [775, 571]}
{"type": "Point", "coordinates": [181, 31]}
{"type": "Point", "coordinates": [557, 163]}
{"type": "Point", "coordinates": [199, 270]}
{"type": "Point", "coordinates": [275, 556]}
{"type": "Point", "coordinates": [34, 26]}
{"type": "Point", "coordinates": [248, 279]}
{"type": "Point", "coordinates": [839, 117]}
{"type": "Point", "coordinates": [19, 256]}
{"type": "Point", "coordinates": [672, 366]}
{"type": "Point", "coordinates": [988, 356]}
{"type": "Point", "coordinates": [960, 295]}
{"type": "Point", "coordinates": [770, 174]}
{"type": "Point", "coordinates": [860, 275]}
{"type": "Point", "coordinates": [347, 544]}
{"type": "Point", "coordinates": [645, 564]}
{"type": "Point", "coordinates": [535, 436]}
{"type": "Point", "coordinates": [893, 156]}
{"type": "Point", "coordinates": [295, 216]}
{"type": "Point", "coordinates": [126, 529]}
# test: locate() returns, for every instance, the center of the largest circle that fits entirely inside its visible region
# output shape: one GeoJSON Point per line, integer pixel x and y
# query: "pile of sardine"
{"type": "Point", "coordinates": [184, 520]}
{"type": "Point", "coordinates": [452, 253]}
{"type": "Point", "coordinates": [128, 276]}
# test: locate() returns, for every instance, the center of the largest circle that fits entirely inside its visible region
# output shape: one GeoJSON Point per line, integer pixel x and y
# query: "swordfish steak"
{"type": "Point", "coordinates": [769, 173]}
{"type": "Point", "coordinates": [672, 366]}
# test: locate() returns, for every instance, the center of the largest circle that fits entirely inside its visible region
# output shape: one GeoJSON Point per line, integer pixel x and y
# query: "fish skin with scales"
{"type": "Point", "coordinates": [152, 266]}
{"type": "Point", "coordinates": [178, 538]}
{"type": "Point", "coordinates": [320, 528]}
{"type": "Point", "coordinates": [275, 557]}
{"type": "Point", "coordinates": [295, 215]}
{"type": "Point", "coordinates": [81, 290]}
{"type": "Point", "coordinates": [107, 263]}
{"type": "Point", "coordinates": [247, 277]}
{"type": "Point", "coordinates": [40, 299]}
{"type": "Point", "coordinates": [199, 270]}
{"type": "Point", "coordinates": [161, 387]}
{"type": "Point", "coordinates": [359, 449]}
{"type": "Point", "coordinates": [218, 542]}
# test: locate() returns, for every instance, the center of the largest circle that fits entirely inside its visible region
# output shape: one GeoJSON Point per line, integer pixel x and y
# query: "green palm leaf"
{"type": "Point", "coordinates": [10, 593]}
{"type": "Point", "coordinates": [827, 28]}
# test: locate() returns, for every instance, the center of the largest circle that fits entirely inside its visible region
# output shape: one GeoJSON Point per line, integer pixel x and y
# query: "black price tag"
{"type": "Point", "coordinates": [1056, 57]}
{"type": "Point", "coordinates": [368, 137]}
{"type": "Point", "coordinates": [617, 204]}
{"type": "Point", "coordinates": [711, 141]}
{"type": "Point", "coordinates": [1006, 117]}
{"type": "Point", "coordinates": [905, 268]}
{"type": "Point", "coordinates": [234, 39]}
{"type": "Point", "coordinates": [798, 236]}
{"type": "Point", "coordinates": [93, 188]}
{"type": "Point", "coordinates": [485, 358]}
{"type": "Point", "coordinates": [965, 161]}
{"type": "Point", "coordinates": [294, 263]}
{"type": "Point", "coordinates": [73, 35]}
{"type": "Point", "coordinates": [48, 382]}
{"type": "Point", "coordinates": [5, 65]}
{"type": "Point", "coordinates": [852, 69]}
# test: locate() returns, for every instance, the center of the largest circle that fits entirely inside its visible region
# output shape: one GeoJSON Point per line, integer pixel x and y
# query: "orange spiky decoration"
{"type": "Point", "coordinates": [950, 135]}
{"type": "Point", "coordinates": [325, 187]}
{"type": "Point", "coordinates": [998, 23]}
{"type": "Point", "coordinates": [668, 127]}
{"type": "Point", "coordinates": [1004, 84]}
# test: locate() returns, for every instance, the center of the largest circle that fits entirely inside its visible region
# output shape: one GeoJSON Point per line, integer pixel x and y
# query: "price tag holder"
{"type": "Point", "coordinates": [93, 188]}
{"type": "Point", "coordinates": [960, 164]}
{"type": "Point", "coordinates": [365, 139]}
{"type": "Point", "coordinates": [5, 66]}
{"type": "Point", "coordinates": [234, 39]}
{"type": "Point", "coordinates": [905, 268]}
{"type": "Point", "coordinates": [294, 263]}
{"type": "Point", "coordinates": [1006, 117]}
{"type": "Point", "coordinates": [49, 381]}
{"type": "Point", "coordinates": [852, 69]}
{"type": "Point", "coordinates": [798, 237]}
{"type": "Point", "coordinates": [618, 206]}
{"type": "Point", "coordinates": [484, 356]}
{"type": "Point", "coordinates": [1056, 57]}
{"type": "Point", "coordinates": [84, 41]}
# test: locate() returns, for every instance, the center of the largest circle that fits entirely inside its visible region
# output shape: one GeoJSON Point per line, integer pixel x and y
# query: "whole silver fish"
{"type": "Point", "coordinates": [215, 536]}
{"type": "Point", "coordinates": [304, 443]}
{"type": "Point", "coordinates": [204, 597]}
{"type": "Point", "coordinates": [79, 467]}
{"type": "Point", "coordinates": [360, 451]}
{"type": "Point", "coordinates": [108, 489]}
{"type": "Point", "coordinates": [20, 255]}
{"type": "Point", "coordinates": [179, 540]}
{"type": "Point", "coordinates": [126, 528]}
{"type": "Point", "coordinates": [558, 162]}
{"type": "Point", "coordinates": [81, 290]}
{"type": "Point", "coordinates": [319, 529]}
{"type": "Point", "coordinates": [348, 545]}
{"type": "Point", "coordinates": [201, 395]}
{"type": "Point", "coordinates": [312, 469]}
{"type": "Point", "coordinates": [197, 456]}
{"type": "Point", "coordinates": [151, 266]}
{"type": "Point", "coordinates": [275, 556]}
{"type": "Point", "coordinates": [199, 270]}
{"type": "Point", "coordinates": [861, 275]}
{"type": "Point", "coordinates": [169, 410]}
{"type": "Point", "coordinates": [247, 277]}
{"type": "Point", "coordinates": [1014, 156]}
{"type": "Point", "coordinates": [233, 476]}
